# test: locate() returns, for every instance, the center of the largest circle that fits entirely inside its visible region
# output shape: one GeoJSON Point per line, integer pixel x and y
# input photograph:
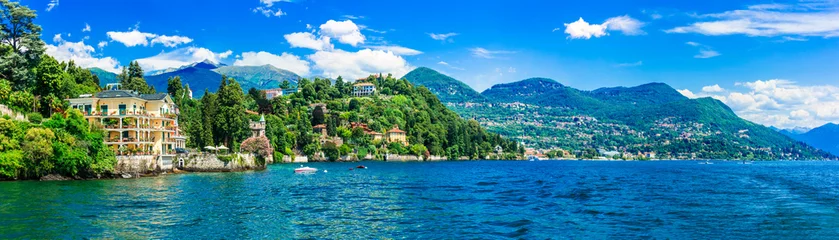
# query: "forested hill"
{"type": "Point", "coordinates": [431, 128]}
{"type": "Point", "coordinates": [648, 118]}
{"type": "Point", "coordinates": [446, 88]}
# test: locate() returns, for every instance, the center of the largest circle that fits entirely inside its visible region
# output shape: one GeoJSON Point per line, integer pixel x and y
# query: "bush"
{"type": "Point", "coordinates": [34, 117]}
{"type": "Point", "coordinates": [257, 145]}
{"type": "Point", "coordinates": [10, 164]}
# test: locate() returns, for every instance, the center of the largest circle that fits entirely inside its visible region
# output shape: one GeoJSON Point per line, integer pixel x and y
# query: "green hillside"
{"type": "Point", "coordinates": [446, 88]}
{"type": "Point", "coordinates": [652, 117]}
{"type": "Point", "coordinates": [105, 77]}
{"type": "Point", "coordinates": [206, 75]}
{"type": "Point", "coordinates": [825, 137]}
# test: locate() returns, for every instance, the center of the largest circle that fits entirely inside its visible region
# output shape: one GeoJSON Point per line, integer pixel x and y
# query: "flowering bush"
{"type": "Point", "coordinates": [257, 145]}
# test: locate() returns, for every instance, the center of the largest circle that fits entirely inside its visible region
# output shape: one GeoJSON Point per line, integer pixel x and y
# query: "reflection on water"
{"type": "Point", "coordinates": [532, 200]}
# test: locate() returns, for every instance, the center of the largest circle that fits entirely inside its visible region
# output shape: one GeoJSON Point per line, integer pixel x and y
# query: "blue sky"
{"type": "Point", "coordinates": [772, 62]}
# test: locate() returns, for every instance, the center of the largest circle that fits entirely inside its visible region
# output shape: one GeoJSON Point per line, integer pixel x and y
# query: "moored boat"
{"type": "Point", "coordinates": [305, 170]}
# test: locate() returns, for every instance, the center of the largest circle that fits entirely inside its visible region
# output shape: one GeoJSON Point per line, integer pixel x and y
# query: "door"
{"type": "Point", "coordinates": [122, 109]}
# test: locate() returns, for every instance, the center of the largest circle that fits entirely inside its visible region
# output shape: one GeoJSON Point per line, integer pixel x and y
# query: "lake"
{"type": "Point", "coordinates": [479, 199]}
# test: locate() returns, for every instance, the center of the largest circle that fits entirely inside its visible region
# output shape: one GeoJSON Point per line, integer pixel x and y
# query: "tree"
{"type": "Point", "coordinates": [257, 145]}
{"type": "Point", "coordinates": [418, 149]}
{"type": "Point", "coordinates": [37, 146]}
{"type": "Point", "coordinates": [285, 84]}
{"type": "Point", "coordinates": [209, 110]}
{"type": "Point", "coordinates": [21, 47]}
{"type": "Point", "coordinates": [131, 78]}
{"type": "Point", "coordinates": [318, 116]}
{"type": "Point", "coordinates": [330, 151]}
{"type": "Point", "coordinates": [234, 125]}
{"type": "Point", "coordinates": [174, 86]}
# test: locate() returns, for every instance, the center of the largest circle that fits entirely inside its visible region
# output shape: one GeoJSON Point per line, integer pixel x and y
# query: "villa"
{"type": "Point", "coordinates": [397, 135]}
{"type": "Point", "coordinates": [144, 124]}
{"type": "Point", "coordinates": [363, 89]}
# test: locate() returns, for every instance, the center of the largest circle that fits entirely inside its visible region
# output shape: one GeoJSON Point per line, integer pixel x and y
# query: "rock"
{"type": "Point", "coordinates": [126, 175]}
{"type": "Point", "coordinates": [55, 177]}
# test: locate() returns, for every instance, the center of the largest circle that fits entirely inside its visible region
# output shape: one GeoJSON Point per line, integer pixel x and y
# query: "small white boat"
{"type": "Point", "coordinates": [706, 162]}
{"type": "Point", "coordinates": [303, 169]}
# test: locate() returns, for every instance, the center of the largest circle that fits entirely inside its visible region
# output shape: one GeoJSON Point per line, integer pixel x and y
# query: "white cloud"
{"type": "Point", "coordinates": [443, 63]}
{"type": "Point", "coordinates": [309, 26]}
{"type": "Point", "coordinates": [705, 51]}
{"type": "Point", "coordinates": [285, 61]}
{"type": "Point", "coordinates": [806, 18]}
{"type": "Point", "coordinates": [352, 17]}
{"type": "Point", "coordinates": [225, 54]}
{"type": "Point", "coordinates": [136, 38]}
{"type": "Point", "coordinates": [346, 32]}
{"type": "Point", "coordinates": [180, 57]}
{"type": "Point", "coordinates": [398, 50]}
{"type": "Point", "coordinates": [86, 28]}
{"type": "Point", "coordinates": [799, 114]}
{"type": "Point", "coordinates": [131, 38]}
{"type": "Point", "coordinates": [269, 3]}
{"type": "Point", "coordinates": [687, 93]}
{"type": "Point", "coordinates": [81, 54]}
{"type": "Point", "coordinates": [511, 70]}
{"type": "Point", "coordinates": [52, 4]}
{"type": "Point", "coordinates": [171, 41]}
{"type": "Point", "coordinates": [779, 103]}
{"type": "Point", "coordinates": [268, 12]}
{"type": "Point", "coordinates": [102, 44]}
{"type": "Point", "coordinates": [308, 40]}
{"type": "Point", "coordinates": [57, 38]}
{"type": "Point", "coordinates": [488, 54]}
{"type": "Point", "coordinates": [633, 64]}
{"type": "Point", "coordinates": [584, 30]}
{"type": "Point", "coordinates": [359, 64]}
{"type": "Point", "coordinates": [443, 36]}
{"type": "Point", "coordinates": [713, 89]}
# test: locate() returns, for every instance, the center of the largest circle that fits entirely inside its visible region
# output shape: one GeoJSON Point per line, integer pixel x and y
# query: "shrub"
{"type": "Point", "coordinates": [257, 145]}
{"type": "Point", "coordinates": [34, 117]}
{"type": "Point", "coordinates": [10, 164]}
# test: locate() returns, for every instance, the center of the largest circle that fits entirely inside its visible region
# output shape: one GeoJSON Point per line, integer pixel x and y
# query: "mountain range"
{"type": "Point", "coordinates": [825, 137]}
{"type": "Point", "coordinates": [654, 117]}
{"type": "Point", "coordinates": [207, 75]}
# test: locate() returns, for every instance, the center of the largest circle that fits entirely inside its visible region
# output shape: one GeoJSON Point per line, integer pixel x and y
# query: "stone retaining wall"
{"type": "Point", "coordinates": [135, 165]}
{"type": "Point", "coordinates": [207, 162]}
{"type": "Point", "coordinates": [5, 110]}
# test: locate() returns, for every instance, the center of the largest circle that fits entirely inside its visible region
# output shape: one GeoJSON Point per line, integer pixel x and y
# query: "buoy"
{"type": "Point", "coordinates": [324, 171]}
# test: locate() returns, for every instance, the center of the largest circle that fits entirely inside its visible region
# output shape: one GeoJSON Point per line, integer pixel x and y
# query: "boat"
{"type": "Point", "coordinates": [706, 162]}
{"type": "Point", "coordinates": [303, 169]}
{"type": "Point", "coordinates": [361, 167]}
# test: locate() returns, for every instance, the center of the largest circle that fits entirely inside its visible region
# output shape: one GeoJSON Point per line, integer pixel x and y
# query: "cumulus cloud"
{"type": "Point", "coordinates": [102, 44]}
{"type": "Point", "coordinates": [346, 32]}
{"type": "Point", "coordinates": [308, 40]}
{"type": "Point", "coordinates": [805, 18]}
{"type": "Point", "coordinates": [359, 64]}
{"type": "Point", "coordinates": [171, 41]}
{"type": "Point", "coordinates": [777, 102]}
{"type": "Point", "coordinates": [86, 28]}
{"type": "Point", "coordinates": [488, 54]}
{"type": "Point", "coordinates": [443, 36]}
{"type": "Point", "coordinates": [180, 57]}
{"type": "Point", "coordinates": [713, 88]}
{"type": "Point", "coordinates": [285, 61]}
{"type": "Point", "coordinates": [584, 30]}
{"type": "Point", "coordinates": [398, 50]}
{"type": "Point", "coordinates": [136, 38]}
{"type": "Point", "coordinates": [81, 54]}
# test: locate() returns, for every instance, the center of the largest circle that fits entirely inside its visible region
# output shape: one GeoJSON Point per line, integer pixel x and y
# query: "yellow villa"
{"type": "Point", "coordinates": [397, 135]}
{"type": "Point", "coordinates": [142, 124]}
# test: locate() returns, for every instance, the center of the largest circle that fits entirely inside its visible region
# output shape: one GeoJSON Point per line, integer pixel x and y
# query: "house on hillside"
{"type": "Point", "coordinates": [397, 135]}
{"type": "Point", "coordinates": [362, 89]}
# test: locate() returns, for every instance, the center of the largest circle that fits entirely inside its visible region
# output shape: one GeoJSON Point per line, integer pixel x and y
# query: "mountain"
{"type": "Point", "coordinates": [261, 77]}
{"type": "Point", "coordinates": [825, 137]}
{"type": "Point", "coordinates": [446, 88]}
{"type": "Point", "coordinates": [105, 77]}
{"type": "Point", "coordinates": [207, 75]}
{"type": "Point", "coordinates": [654, 117]}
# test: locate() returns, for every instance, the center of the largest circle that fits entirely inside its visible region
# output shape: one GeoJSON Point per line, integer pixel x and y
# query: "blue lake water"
{"type": "Point", "coordinates": [480, 200]}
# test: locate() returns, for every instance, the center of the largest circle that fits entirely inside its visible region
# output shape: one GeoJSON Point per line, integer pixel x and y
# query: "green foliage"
{"type": "Point", "coordinates": [21, 48]}
{"type": "Point", "coordinates": [10, 163]}
{"type": "Point", "coordinates": [446, 88]}
{"type": "Point", "coordinates": [132, 78]}
{"type": "Point", "coordinates": [34, 117]}
{"type": "Point", "coordinates": [330, 151]}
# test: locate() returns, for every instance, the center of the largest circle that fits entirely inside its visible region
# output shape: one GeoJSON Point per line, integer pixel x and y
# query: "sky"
{"type": "Point", "coordinates": [772, 62]}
